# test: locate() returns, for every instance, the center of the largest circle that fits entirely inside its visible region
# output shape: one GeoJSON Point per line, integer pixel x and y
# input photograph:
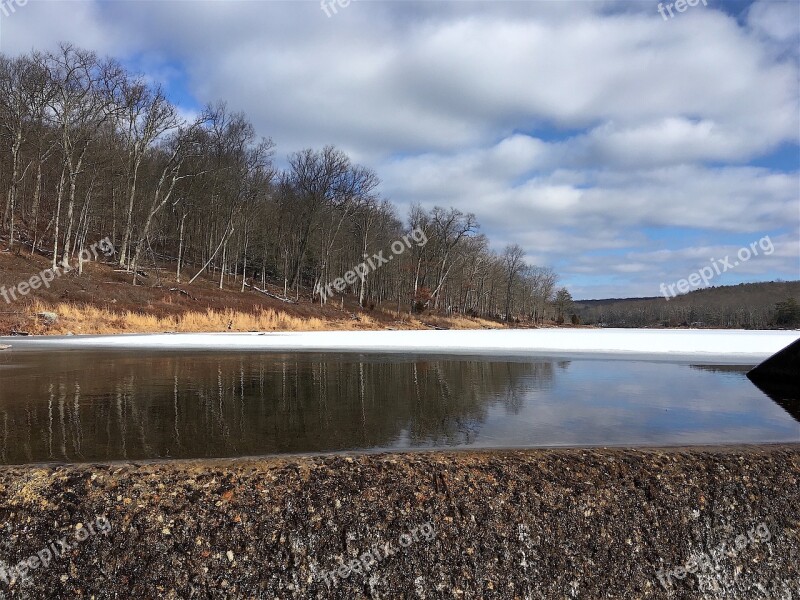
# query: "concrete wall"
{"type": "Point", "coordinates": [533, 524]}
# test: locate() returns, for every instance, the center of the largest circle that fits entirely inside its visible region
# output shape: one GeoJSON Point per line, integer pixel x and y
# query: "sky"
{"type": "Point", "coordinates": [623, 147]}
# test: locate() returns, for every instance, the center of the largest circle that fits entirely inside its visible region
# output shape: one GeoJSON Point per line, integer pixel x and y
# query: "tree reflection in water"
{"type": "Point", "coordinates": [88, 406]}
{"type": "Point", "coordinates": [76, 406]}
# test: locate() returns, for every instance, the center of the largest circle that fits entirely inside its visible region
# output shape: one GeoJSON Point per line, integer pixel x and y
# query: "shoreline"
{"type": "Point", "coordinates": [226, 462]}
{"type": "Point", "coordinates": [539, 523]}
{"type": "Point", "coordinates": [728, 346]}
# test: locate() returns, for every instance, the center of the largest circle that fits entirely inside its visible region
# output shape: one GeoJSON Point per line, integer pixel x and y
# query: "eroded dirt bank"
{"type": "Point", "coordinates": [533, 524]}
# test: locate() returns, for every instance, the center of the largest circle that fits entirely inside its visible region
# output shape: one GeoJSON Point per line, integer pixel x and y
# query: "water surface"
{"type": "Point", "coordinates": [90, 406]}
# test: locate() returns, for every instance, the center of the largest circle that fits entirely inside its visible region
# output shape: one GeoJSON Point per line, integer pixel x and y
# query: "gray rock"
{"type": "Point", "coordinates": [49, 318]}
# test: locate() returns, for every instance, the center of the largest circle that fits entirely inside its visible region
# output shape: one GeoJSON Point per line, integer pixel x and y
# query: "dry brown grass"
{"type": "Point", "coordinates": [87, 319]}
{"type": "Point", "coordinates": [77, 319]}
{"type": "Point", "coordinates": [462, 322]}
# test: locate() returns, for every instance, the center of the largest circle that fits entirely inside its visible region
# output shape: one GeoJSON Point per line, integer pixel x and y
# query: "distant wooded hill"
{"type": "Point", "coordinates": [768, 305]}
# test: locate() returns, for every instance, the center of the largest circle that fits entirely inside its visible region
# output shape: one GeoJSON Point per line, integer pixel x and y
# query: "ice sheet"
{"type": "Point", "coordinates": [732, 346]}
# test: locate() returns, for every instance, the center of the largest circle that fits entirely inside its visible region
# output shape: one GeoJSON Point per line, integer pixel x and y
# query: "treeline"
{"type": "Point", "coordinates": [91, 150]}
{"type": "Point", "coordinates": [746, 306]}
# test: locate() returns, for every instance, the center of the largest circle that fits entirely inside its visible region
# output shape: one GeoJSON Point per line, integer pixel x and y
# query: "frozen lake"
{"type": "Point", "coordinates": [724, 346]}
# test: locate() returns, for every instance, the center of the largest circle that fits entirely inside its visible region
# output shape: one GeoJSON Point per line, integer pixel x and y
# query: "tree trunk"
{"type": "Point", "coordinates": [12, 190]}
{"type": "Point", "coordinates": [37, 192]}
{"type": "Point", "coordinates": [73, 184]}
{"type": "Point", "coordinates": [126, 238]}
{"type": "Point", "coordinates": [205, 266]}
{"type": "Point", "coordinates": [244, 260]}
{"type": "Point", "coordinates": [57, 216]}
{"type": "Point", "coordinates": [222, 270]}
{"type": "Point", "coordinates": [180, 248]}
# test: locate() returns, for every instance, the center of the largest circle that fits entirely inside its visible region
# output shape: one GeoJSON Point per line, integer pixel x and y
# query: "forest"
{"type": "Point", "coordinates": [90, 150]}
{"type": "Point", "coordinates": [766, 305]}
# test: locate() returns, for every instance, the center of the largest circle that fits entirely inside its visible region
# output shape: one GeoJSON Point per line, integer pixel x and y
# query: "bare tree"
{"type": "Point", "coordinates": [86, 97]}
{"type": "Point", "coordinates": [449, 228]}
{"type": "Point", "coordinates": [145, 116]}
{"type": "Point", "coordinates": [513, 264]}
{"type": "Point", "coordinates": [23, 90]}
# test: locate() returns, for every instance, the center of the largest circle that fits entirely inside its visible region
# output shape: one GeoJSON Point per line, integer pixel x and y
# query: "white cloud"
{"type": "Point", "coordinates": [567, 126]}
{"type": "Point", "coordinates": [778, 21]}
{"type": "Point", "coordinates": [459, 78]}
{"type": "Point", "coordinates": [733, 199]}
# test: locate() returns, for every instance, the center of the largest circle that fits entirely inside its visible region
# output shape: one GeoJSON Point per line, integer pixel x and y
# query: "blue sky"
{"type": "Point", "coordinates": [623, 149]}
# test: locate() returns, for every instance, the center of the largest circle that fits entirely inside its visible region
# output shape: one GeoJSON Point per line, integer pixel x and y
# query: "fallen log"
{"type": "Point", "coordinates": [139, 272]}
{"type": "Point", "coordinates": [184, 292]}
{"type": "Point", "coordinates": [266, 293]}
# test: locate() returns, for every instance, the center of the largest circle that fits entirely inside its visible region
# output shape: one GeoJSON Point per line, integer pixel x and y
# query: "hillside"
{"type": "Point", "coordinates": [747, 305]}
{"type": "Point", "coordinates": [103, 300]}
